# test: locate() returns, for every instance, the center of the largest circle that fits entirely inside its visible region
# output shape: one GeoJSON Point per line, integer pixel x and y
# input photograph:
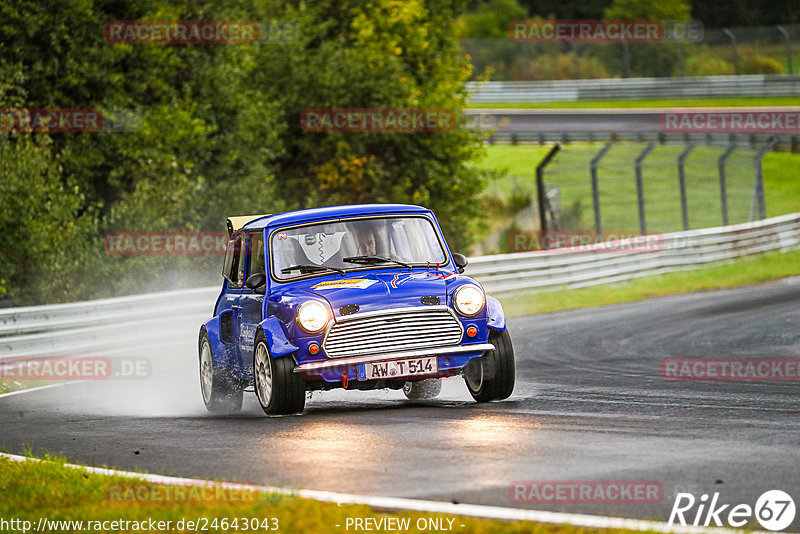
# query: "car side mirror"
{"type": "Point", "coordinates": [256, 282]}
{"type": "Point", "coordinates": [461, 261]}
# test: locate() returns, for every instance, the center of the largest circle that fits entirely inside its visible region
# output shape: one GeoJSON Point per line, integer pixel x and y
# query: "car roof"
{"type": "Point", "coordinates": [332, 212]}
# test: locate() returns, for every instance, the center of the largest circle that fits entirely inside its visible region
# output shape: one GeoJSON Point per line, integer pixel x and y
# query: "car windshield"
{"type": "Point", "coordinates": [354, 244]}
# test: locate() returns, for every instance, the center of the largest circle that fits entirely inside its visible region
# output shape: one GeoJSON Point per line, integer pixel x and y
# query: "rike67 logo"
{"type": "Point", "coordinates": [774, 510]}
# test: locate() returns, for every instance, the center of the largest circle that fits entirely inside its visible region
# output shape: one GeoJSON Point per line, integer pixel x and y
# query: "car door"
{"type": "Point", "coordinates": [228, 307]}
{"type": "Point", "coordinates": [250, 302]}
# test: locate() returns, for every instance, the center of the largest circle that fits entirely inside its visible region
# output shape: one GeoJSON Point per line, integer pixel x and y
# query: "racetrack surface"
{"type": "Point", "coordinates": [599, 120]}
{"type": "Point", "coordinates": [589, 405]}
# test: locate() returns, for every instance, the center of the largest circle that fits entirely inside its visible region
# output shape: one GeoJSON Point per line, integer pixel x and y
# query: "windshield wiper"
{"type": "Point", "coordinates": [306, 268]}
{"type": "Point", "coordinates": [370, 260]}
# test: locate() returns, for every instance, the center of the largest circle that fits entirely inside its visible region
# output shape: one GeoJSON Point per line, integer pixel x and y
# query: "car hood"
{"type": "Point", "coordinates": [372, 291]}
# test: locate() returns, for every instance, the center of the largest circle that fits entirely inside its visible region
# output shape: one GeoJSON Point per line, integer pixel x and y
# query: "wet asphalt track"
{"type": "Point", "coordinates": [589, 404]}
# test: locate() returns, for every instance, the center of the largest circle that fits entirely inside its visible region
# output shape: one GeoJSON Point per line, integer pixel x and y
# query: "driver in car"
{"type": "Point", "coordinates": [366, 243]}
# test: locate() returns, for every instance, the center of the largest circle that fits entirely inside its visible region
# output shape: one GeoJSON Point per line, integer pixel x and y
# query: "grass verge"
{"type": "Point", "coordinates": [745, 271]}
{"type": "Point", "coordinates": [653, 103]}
{"type": "Point", "coordinates": [32, 490]}
{"type": "Point", "coordinates": [569, 174]}
{"type": "Point", "coordinates": [571, 169]}
{"type": "Point", "coordinates": [8, 386]}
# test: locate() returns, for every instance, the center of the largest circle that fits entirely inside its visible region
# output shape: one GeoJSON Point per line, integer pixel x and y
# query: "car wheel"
{"type": "Point", "coordinates": [222, 392]}
{"type": "Point", "coordinates": [279, 389]}
{"type": "Point", "coordinates": [422, 389]}
{"type": "Point", "coordinates": [491, 377]}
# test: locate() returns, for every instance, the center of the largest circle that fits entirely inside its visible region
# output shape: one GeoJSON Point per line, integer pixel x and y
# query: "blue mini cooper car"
{"type": "Point", "coordinates": [355, 297]}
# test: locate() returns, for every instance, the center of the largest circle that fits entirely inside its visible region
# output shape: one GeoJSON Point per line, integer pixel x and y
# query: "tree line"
{"type": "Point", "coordinates": [215, 130]}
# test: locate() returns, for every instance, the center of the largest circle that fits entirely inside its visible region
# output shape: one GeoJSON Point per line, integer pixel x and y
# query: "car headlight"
{"type": "Point", "coordinates": [312, 316]}
{"type": "Point", "coordinates": [469, 300]}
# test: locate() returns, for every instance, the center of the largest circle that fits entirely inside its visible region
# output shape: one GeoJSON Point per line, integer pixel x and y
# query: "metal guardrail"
{"type": "Point", "coordinates": [33, 319]}
{"type": "Point", "coordinates": [108, 325]}
{"type": "Point", "coordinates": [755, 85]}
{"type": "Point", "coordinates": [105, 325]}
{"type": "Point", "coordinates": [676, 251]}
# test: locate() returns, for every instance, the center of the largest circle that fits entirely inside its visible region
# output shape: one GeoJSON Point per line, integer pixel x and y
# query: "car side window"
{"type": "Point", "coordinates": [233, 268]}
{"type": "Point", "coordinates": [256, 255]}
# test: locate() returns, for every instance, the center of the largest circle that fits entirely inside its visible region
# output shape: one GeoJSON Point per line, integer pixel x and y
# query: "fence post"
{"type": "Point", "coordinates": [788, 42]}
{"type": "Point", "coordinates": [577, 57]}
{"type": "Point", "coordinates": [759, 202]}
{"type": "Point", "coordinates": [735, 49]}
{"type": "Point", "coordinates": [640, 187]}
{"type": "Point", "coordinates": [626, 60]}
{"type": "Point", "coordinates": [596, 191]}
{"type": "Point", "coordinates": [540, 192]}
{"type": "Point", "coordinates": [527, 62]}
{"type": "Point", "coordinates": [682, 184]}
{"type": "Point", "coordinates": [681, 59]}
{"type": "Point", "coordinates": [723, 188]}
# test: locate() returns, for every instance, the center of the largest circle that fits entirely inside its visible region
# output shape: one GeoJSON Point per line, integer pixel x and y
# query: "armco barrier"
{"type": "Point", "coordinates": [755, 85]}
{"type": "Point", "coordinates": [679, 251]}
{"type": "Point", "coordinates": [104, 326]}
{"type": "Point", "coordinates": [101, 326]}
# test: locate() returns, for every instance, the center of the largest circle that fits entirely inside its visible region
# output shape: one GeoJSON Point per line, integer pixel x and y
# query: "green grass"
{"type": "Point", "coordinates": [654, 103]}
{"type": "Point", "coordinates": [32, 490]}
{"type": "Point", "coordinates": [619, 212]}
{"type": "Point", "coordinates": [745, 271]}
{"type": "Point", "coordinates": [517, 162]}
{"type": "Point", "coordinates": [782, 183]}
{"type": "Point", "coordinates": [617, 186]}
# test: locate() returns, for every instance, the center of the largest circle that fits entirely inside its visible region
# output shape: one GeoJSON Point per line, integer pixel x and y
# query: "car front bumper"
{"type": "Point", "coordinates": [451, 357]}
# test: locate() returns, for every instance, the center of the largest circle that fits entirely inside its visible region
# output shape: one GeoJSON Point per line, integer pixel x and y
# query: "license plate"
{"type": "Point", "coordinates": [398, 368]}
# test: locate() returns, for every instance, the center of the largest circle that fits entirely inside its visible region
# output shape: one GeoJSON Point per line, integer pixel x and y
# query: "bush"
{"type": "Point", "coordinates": [707, 65]}
{"type": "Point", "coordinates": [758, 64]}
{"type": "Point", "coordinates": [751, 62]}
{"type": "Point", "coordinates": [557, 67]}
{"type": "Point", "coordinates": [518, 201]}
{"type": "Point", "coordinates": [506, 235]}
{"type": "Point", "coordinates": [46, 230]}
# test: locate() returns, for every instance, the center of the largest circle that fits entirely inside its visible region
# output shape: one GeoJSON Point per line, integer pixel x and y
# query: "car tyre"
{"type": "Point", "coordinates": [422, 389]}
{"type": "Point", "coordinates": [279, 389]}
{"type": "Point", "coordinates": [491, 377]}
{"type": "Point", "coordinates": [222, 392]}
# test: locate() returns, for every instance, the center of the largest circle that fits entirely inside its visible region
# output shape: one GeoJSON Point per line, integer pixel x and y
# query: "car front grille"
{"type": "Point", "coordinates": [394, 330]}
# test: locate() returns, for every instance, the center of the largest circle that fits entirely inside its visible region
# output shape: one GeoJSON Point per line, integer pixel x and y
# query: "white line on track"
{"type": "Point", "coordinates": [397, 503]}
{"type": "Point", "coordinates": [38, 388]}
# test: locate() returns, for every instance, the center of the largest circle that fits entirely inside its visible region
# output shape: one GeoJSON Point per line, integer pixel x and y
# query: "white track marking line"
{"type": "Point", "coordinates": [37, 388]}
{"type": "Point", "coordinates": [418, 505]}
